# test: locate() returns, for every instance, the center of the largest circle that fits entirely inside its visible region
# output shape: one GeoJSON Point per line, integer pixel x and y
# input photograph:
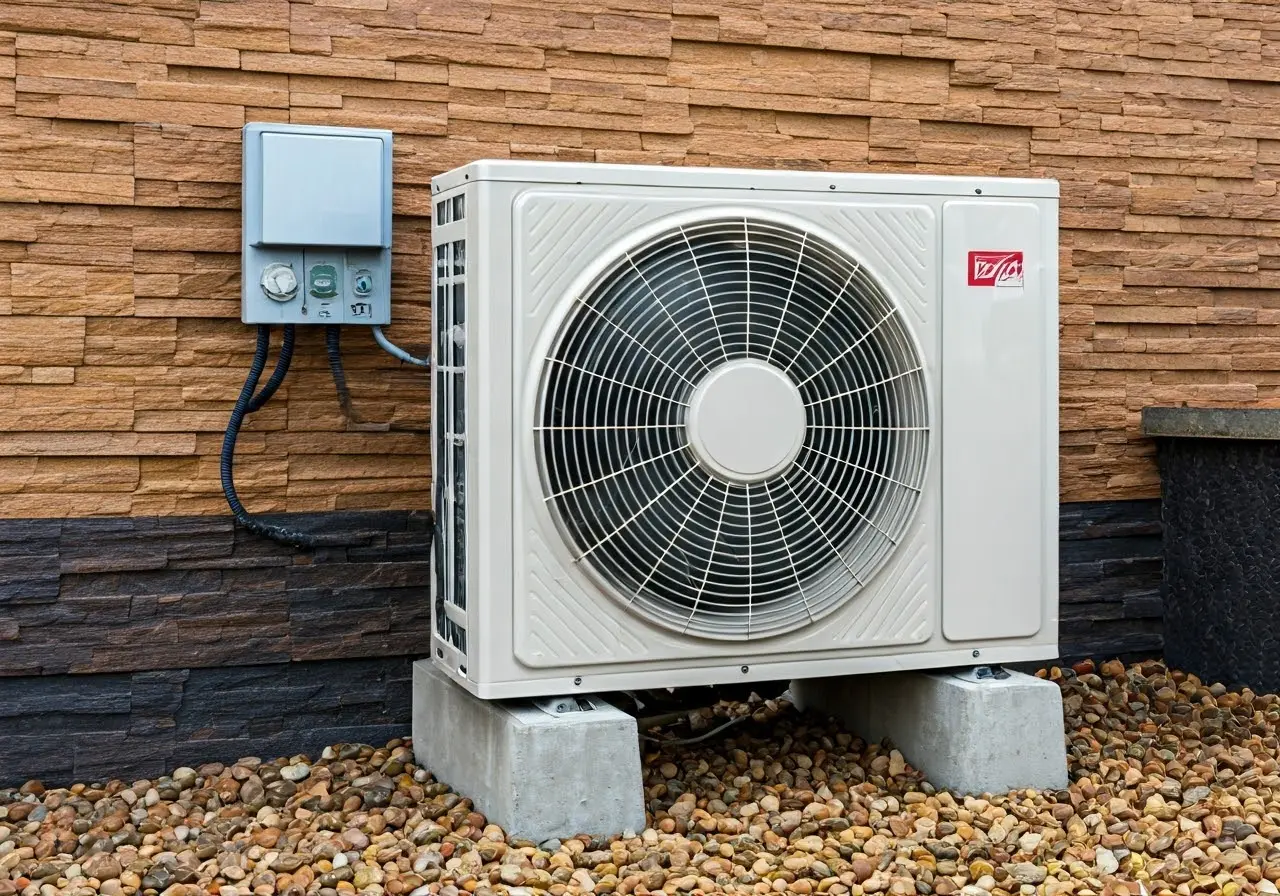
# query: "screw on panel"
{"type": "Point", "coordinates": [577, 681]}
{"type": "Point", "coordinates": [977, 653]}
{"type": "Point", "coordinates": [744, 669]}
{"type": "Point", "coordinates": [979, 192]}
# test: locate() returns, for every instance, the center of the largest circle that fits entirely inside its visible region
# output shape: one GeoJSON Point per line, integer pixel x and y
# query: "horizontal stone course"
{"type": "Point", "coordinates": [132, 594]}
{"type": "Point", "coordinates": [67, 728]}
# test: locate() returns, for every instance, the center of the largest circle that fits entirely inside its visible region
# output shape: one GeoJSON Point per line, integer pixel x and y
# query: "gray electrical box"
{"type": "Point", "coordinates": [316, 229]}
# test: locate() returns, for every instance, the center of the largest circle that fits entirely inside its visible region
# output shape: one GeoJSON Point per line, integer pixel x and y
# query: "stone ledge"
{"type": "Point", "coordinates": [1211, 423]}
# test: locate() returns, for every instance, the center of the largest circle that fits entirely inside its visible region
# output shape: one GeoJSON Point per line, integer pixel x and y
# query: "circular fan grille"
{"type": "Point", "coordinates": [733, 428]}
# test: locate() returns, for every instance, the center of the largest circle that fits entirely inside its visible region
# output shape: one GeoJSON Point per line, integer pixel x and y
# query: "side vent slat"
{"type": "Point", "coordinates": [449, 316]}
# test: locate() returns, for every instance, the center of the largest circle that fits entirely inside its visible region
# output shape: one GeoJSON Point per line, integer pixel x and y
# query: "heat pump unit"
{"type": "Point", "coordinates": [696, 426]}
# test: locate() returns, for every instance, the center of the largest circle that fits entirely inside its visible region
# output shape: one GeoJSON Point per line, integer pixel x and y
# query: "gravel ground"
{"type": "Point", "coordinates": [1175, 790]}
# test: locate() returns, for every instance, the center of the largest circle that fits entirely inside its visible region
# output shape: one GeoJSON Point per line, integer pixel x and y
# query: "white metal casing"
{"type": "Point", "coordinates": [975, 580]}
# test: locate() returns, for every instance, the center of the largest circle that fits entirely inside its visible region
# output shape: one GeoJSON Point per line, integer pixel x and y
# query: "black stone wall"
{"type": "Point", "coordinates": [67, 728]}
{"type": "Point", "coordinates": [131, 646]}
{"type": "Point", "coordinates": [1109, 561]}
{"type": "Point", "coordinates": [138, 594]}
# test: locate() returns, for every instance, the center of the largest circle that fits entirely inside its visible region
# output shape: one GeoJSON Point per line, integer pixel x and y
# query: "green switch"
{"type": "Point", "coordinates": [323, 281]}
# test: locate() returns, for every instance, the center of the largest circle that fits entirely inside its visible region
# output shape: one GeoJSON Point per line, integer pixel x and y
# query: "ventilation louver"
{"type": "Point", "coordinates": [733, 428]}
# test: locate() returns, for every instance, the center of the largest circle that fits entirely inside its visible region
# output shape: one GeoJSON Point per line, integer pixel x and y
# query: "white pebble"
{"type": "Point", "coordinates": [340, 860]}
{"type": "Point", "coordinates": [181, 833]}
{"type": "Point", "coordinates": [295, 772]}
{"type": "Point", "coordinates": [1107, 861]}
{"type": "Point", "coordinates": [152, 797]}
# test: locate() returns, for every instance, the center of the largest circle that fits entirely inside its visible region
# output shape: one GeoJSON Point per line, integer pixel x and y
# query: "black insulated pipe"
{"type": "Point", "coordinates": [245, 405]}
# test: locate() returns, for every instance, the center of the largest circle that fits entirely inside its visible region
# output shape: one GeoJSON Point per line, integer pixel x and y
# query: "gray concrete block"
{"type": "Point", "coordinates": [539, 775]}
{"type": "Point", "coordinates": [967, 734]}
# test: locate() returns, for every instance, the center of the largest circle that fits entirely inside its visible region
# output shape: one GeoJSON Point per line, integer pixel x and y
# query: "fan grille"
{"type": "Point", "coordinates": [632, 478]}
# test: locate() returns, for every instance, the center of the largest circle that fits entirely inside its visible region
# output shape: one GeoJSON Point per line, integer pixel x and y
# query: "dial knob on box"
{"type": "Point", "coordinates": [279, 282]}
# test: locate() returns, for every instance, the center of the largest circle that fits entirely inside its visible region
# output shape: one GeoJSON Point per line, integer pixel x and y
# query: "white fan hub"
{"type": "Point", "coordinates": [746, 421]}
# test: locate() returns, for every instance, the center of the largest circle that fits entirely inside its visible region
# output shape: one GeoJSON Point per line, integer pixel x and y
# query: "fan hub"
{"type": "Point", "coordinates": [746, 421]}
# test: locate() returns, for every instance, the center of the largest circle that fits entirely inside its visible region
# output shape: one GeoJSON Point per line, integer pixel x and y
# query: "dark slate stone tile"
{"type": "Point", "coordinates": [1143, 605]}
{"type": "Point", "coordinates": [27, 756]}
{"type": "Point", "coordinates": [1106, 519]}
{"type": "Point", "coordinates": [359, 575]}
{"type": "Point", "coordinates": [36, 535]}
{"type": "Point", "coordinates": [65, 695]}
{"type": "Point", "coordinates": [27, 578]}
{"type": "Point", "coordinates": [1092, 612]}
{"type": "Point", "coordinates": [157, 582]}
{"type": "Point", "coordinates": [104, 756]}
{"type": "Point", "coordinates": [147, 723]}
{"type": "Point", "coordinates": [1119, 548]}
{"type": "Point", "coordinates": [129, 594]}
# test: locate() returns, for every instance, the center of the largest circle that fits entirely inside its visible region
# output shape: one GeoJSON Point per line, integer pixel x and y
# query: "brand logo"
{"type": "Point", "coordinates": [995, 268]}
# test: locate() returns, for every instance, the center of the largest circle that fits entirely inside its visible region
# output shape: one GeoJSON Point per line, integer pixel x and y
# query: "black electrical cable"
{"type": "Point", "coordinates": [277, 375]}
{"type": "Point", "coordinates": [332, 348]}
{"type": "Point", "coordinates": [244, 406]}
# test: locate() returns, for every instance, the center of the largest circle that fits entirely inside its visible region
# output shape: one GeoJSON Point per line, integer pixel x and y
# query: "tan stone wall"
{"type": "Point", "coordinates": [120, 345]}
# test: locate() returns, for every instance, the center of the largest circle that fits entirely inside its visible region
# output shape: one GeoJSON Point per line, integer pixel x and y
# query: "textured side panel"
{"type": "Point", "coordinates": [561, 234]}
{"type": "Point", "coordinates": [558, 622]}
{"type": "Point", "coordinates": [902, 237]}
{"type": "Point", "coordinates": [897, 607]}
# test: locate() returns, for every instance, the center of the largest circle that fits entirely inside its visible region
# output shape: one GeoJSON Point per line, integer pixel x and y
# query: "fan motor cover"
{"type": "Point", "coordinates": [733, 427]}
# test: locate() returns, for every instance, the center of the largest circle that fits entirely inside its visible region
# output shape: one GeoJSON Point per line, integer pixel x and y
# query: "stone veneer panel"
{"type": "Point", "coordinates": [121, 350]}
{"type": "Point", "coordinates": [139, 594]}
{"type": "Point", "coordinates": [68, 728]}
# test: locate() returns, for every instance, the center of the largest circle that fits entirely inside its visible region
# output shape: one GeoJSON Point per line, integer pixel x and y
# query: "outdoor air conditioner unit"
{"type": "Point", "coordinates": [696, 426]}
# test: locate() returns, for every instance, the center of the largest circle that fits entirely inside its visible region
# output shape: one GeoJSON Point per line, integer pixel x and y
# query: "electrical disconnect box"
{"type": "Point", "coordinates": [316, 235]}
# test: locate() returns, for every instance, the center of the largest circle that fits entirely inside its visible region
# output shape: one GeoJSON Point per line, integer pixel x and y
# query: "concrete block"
{"type": "Point", "coordinates": [538, 774]}
{"type": "Point", "coordinates": [968, 733]}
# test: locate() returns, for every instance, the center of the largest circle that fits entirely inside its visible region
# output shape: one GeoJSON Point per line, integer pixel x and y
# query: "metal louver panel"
{"type": "Point", "coordinates": [449, 316]}
{"type": "Point", "coordinates": [733, 428]}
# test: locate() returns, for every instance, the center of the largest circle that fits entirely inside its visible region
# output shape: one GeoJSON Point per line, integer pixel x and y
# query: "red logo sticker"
{"type": "Point", "coordinates": [995, 268]}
